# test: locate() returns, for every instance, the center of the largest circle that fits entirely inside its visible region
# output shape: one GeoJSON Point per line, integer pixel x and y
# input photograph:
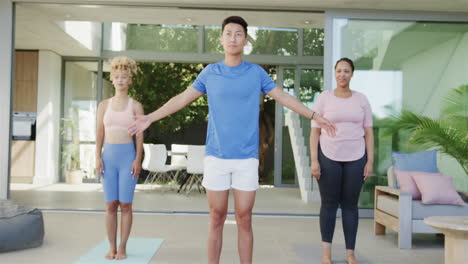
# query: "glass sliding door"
{"type": "Point", "coordinates": [288, 168]}
{"type": "Point", "coordinates": [78, 124]}
{"type": "Point", "coordinates": [311, 85]}
{"type": "Point", "coordinates": [403, 65]}
{"type": "Point", "coordinates": [305, 83]}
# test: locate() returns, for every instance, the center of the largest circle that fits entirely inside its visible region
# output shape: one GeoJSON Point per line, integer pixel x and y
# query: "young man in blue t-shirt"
{"type": "Point", "coordinates": [233, 88]}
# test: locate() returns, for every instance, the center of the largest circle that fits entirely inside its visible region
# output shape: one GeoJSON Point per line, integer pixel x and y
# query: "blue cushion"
{"type": "Point", "coordinates": [418, 161]}
{"type": "Point", "coordinates": [20, 227]}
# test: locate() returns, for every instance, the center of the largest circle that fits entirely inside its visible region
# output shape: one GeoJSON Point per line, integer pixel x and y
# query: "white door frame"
{"type": "Point", "coordinates": [6, 92]}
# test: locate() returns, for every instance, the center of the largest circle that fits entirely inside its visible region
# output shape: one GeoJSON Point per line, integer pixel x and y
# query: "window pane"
{"type": "Point", "coordinates": [264, 41]}
{"type": "Point", "coordinates": [275, 41]}
{"type": "Point", "coordinates": [403, 65]}
{"type": "Point", "coordinates": [288, 174]}
{"type": "Point", "coordinates": [313, 41]}
{"type": "Point", "coordinates": [166, 38]}
{"type": "Point", "coordinates": [311, 87]}
{"type": "Point", "coordinates": [79, 120]}
{"type": "Point", "coordinates": [212, 41]}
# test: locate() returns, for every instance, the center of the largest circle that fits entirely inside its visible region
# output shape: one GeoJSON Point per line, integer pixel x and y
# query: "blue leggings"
{"type": "Point", "coordinates": [340, 184]}
{"type": "Point", "coordinates": [117, 178]}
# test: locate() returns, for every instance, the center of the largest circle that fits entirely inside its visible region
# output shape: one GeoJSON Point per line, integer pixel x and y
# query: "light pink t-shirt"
{"type": "Point", "coordinates": [350, 116]}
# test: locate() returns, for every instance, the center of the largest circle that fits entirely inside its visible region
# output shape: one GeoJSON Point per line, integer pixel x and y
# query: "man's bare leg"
{"type": "Point", "coordinates": [218, 203]}
{"type": "Point", "coordinates": [244, 202]}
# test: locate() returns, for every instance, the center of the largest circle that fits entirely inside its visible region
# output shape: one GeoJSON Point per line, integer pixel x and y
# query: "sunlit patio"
{"type": "Point", "coordinates": [156, 199]}
{"type": "Point", "coordinates": [286, 229]}
{"type": "Point", "coordinates": [55, 69]}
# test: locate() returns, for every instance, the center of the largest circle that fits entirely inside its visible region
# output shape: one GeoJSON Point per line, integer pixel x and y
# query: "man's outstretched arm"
{"type": "Point", "coordinates": [176, 103]}
{"type": "Point", "coordinates": [294, 104]}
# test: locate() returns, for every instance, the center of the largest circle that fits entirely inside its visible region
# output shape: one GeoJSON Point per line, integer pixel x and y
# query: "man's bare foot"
{"type": "Point", "coordinates": [351, 259]}
{"type": "Point", "coordinates": [111, 254]}
{"type": "Point", "coordinates": [326, 260]}
{"type": "Point", "coordinates": [121, 254]}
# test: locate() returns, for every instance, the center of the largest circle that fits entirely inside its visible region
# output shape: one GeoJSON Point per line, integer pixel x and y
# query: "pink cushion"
{"type": "Point", "coordinates": [437, 189]}
{"type": "Point", "coordinates": [407, 184]}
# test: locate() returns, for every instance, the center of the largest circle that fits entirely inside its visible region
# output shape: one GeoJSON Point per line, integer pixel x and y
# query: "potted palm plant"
{"type": "Point", "coordinates": [448, 133]}
{"type": "Point", "coordinates": [71, 149]}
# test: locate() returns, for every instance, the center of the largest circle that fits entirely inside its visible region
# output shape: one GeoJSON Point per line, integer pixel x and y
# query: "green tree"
{"type": "Point", "coordinates": [156, 83]}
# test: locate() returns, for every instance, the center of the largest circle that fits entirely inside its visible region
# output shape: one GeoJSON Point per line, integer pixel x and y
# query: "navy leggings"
{"type": "Point", "coordinates": [340, 184]}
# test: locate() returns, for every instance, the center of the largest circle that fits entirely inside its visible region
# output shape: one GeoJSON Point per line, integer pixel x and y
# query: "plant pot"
{"type": "Point", "coordinates": [90, 180]}
{"type": "Point", "coordinates": [74, 177]}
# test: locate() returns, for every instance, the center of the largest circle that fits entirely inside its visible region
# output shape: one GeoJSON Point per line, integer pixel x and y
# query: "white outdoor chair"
{"type": "Point", "coordinates": [155, 163]}
{"type": "Point", "coordinates": [195, 156]}
{"type": "Point", "coordinates": [178, 159]}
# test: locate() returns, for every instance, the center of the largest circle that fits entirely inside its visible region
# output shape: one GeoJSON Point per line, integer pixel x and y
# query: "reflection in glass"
{"type": "Point", "coordinates": [184, 38]}
{"type": "Point", "coordinates": [401, 65]}
{"type": "Point", "coordinates": [165, 38]}
{"type": "Point", "coordinates": [288, 174]}
{"type": "Point", "coordinates": [313, 41]}
{"type": "Point", "coordinates": [266, 41]}
{"type": "Point", "coordinates": [87, 33]}
{"type": "Point", "coordinates": [212, 40]}
{"type": "Point", "coordinates": [276, 41]}
{"type": "Point", "coordinates": [310, 88]}
{"type": "Point", "coordinates": [79, 120]}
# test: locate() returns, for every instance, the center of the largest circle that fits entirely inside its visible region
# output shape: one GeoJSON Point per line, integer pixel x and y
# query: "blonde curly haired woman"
{"type": "Point", "coordinates": [120, 162]}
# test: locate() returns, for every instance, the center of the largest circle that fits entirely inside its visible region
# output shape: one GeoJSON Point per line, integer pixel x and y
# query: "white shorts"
{"type": "Point", "coordinates": [223, 174]}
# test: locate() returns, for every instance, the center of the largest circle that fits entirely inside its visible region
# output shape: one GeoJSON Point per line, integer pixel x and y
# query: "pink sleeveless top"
{"type": "Point", "coordinates": [118, 119]}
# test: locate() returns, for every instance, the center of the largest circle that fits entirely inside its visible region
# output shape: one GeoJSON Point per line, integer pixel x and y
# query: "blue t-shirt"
{"type": "Point", "coordinates": [234, 106]}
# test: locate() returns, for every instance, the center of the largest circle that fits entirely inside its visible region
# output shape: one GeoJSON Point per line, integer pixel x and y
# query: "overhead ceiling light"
{"type": "Point", "coordinates": [307, 22]}
{"type": "Point", "coordinates": [188, 19]}
{"type": "Point", "coordinates": [90, 6]}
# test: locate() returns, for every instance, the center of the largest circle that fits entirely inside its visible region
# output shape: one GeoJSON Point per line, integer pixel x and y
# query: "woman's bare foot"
{"type": "Point", "coordinates": [351, 259]}
{"type": "Point", "coordinates": [122, 253]}
{"type": "Point", "coordinates": [111, 254]}
{"type": "Point", "coordinates": [326, 260]}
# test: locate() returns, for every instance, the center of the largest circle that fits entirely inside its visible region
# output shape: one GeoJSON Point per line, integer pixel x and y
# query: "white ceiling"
{"type": "Point", "coordinates": [36, 26]}
{"type": "Point", "coordinates": [174, 15]}
{"type": "Point", "coordinates": [415, 5]}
